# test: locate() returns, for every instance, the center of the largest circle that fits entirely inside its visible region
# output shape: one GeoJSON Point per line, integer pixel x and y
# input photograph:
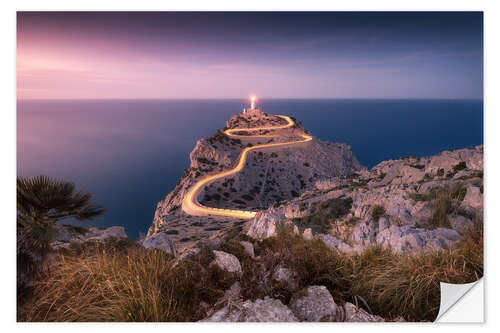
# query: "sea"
{"type": "Point", "coordinates": [130, 153]}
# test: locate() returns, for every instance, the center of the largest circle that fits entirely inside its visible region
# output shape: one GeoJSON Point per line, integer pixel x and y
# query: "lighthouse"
{"type": "Point", "coordinates": [252, 109]}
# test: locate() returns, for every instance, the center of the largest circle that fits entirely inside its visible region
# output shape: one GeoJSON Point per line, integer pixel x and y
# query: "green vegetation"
{"type": "Point", "coordinates": [324, 213]}
{"type": "Point", "coordinates": [418, 166]}
{"type": "Point", "coordinates": [377, 212]}
{"type": "Point", "coordinates": [459, 166]}
{"type": "Point", "coordinates": [42, 202]}
{"type": "Point", "coordinates": [207, 161]}
{"type": "Point", "coordinates": [445, 200]}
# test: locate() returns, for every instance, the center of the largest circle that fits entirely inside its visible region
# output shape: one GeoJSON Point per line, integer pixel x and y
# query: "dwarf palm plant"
{"type": "Point", "coordinates": [42, 202]}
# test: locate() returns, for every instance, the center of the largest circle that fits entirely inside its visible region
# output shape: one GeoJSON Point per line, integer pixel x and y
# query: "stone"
{"type": "Point", "coordinates": [161, 242]}
{"type": "Point", "coordinates": [264, 225]}
{"type": "Point", "coordinates": [354, 314]}
{"type": "Point", "coordinates": [184, 255]}
{"type": "Point", "coordinates": [461, 223]}
{"type": "Point", "coordinates": [307, 234]}
{"type": "Point", "coordinates": [248, 248]}
{"type": "Point", "coordinates": [336, 244]}
{"type": "Point", "coordinates": [288, 276]}
{"type": "Point", "coordinates": [261, 310]}
{"type": "Point", "coordinates": [473, 198]}
{"type": "Point", "coordinates": [227, 262]}
{"type": "Point", "coordinates": [383, 224]}
{"type": "Point", "coordinates": [101, 234]}
{"type": "Point", "coordinates": [316, 305]}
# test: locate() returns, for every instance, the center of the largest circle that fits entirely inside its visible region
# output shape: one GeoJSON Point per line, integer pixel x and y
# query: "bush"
{"type": "Point", "coordinates": [460, 166]}
{"type": "Point", "coordinates": [377, 212]}
{"type": "Point", "coordinates": [322, 214]}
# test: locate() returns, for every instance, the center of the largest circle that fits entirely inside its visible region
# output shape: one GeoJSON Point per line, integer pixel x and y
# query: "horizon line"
{"type": "Point", "coordinates": [239, 98]}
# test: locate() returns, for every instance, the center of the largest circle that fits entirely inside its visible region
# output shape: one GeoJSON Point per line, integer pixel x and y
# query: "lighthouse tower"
{"type": "Point", "coordinates": [252, 102]}
{"type": "Point", "coordinates": [252, 110]}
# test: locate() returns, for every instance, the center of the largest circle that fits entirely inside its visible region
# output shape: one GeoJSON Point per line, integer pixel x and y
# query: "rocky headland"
{"type": "Point", "coordinates": [318, 210]}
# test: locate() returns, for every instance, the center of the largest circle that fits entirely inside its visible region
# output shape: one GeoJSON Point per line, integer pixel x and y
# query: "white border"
{"type": "Point", "coordinates": [8, 166]}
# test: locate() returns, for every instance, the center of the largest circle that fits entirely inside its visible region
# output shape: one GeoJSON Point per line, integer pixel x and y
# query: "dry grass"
{"type": "Point", "coordinates": [124, 282]}
{"type": "Point", "coordinates": [408, 285]}
{"type": "Point", "coordinates": [445, 200]}
{"type": "Point", "coordinates": [108, 283]}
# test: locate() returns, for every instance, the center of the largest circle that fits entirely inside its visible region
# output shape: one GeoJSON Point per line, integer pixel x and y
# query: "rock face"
{"type": "Point", "coordinates": [264, 225]}
{"type": "Point", "coordinates": [161, 242]}
{"type": "Point", "coordinates": [269, 175]}
{"type": "Point", "coordinates": [316, 305]}
{"type": "Point", "coordinates": [100, 234]}
{"type": "Point", "coordinates": [393, 205]}
{"type": "Point", "coordinates": [67, 236]}
{"type": "Point", "coordinates": [261, 310]}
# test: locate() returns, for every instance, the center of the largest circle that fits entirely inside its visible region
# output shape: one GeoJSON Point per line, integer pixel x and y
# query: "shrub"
{"type": "Point", "coordinates": [322, 214]}
{"type": "Point", "coordinates": [377, 212]}
{"type": "Point", "coordinates": [460, 166]}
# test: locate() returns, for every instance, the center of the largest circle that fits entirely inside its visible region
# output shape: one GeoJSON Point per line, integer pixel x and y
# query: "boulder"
{"type": "Point", "coordinates": [307, 234]}
{"type": "Point", "coordinates": [227, 262]}
{"type": "Point", "coordinates": [354, 314]}
{"type": "Point", "coordinates": [248, 248]}
{"type": "Point", "coordinates": [336, 244]}
{"type": "Point", "coordinates": [473, 198]}
{"type": "Point", "coordinates": [160, 241]}
{"type": "Point", "coordinates": [461, 223]}
{"type": "Point", "coordinates": [288, 276]}
{"type": "Point", "coordinates": [184, 255]}
{"type": "Point", "coordinates": [316, 305]}
{"type": "Point", "coordinates": [261, 310]}
{"type": "Point", "coordinates": [264, 224]}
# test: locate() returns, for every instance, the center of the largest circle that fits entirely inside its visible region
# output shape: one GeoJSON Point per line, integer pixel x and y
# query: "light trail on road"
{"type": "Point", "coordinates": [190, 204]}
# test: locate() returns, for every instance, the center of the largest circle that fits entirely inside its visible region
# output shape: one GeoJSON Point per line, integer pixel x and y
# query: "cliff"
{"type": "Point", "coordinates": [269, 176]}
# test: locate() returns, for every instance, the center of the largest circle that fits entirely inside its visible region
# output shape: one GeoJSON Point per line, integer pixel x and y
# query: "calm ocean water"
{"type": "Point", "coordinates": [130, 154]}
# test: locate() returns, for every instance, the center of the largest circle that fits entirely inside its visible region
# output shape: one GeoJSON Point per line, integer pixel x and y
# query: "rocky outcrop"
{"type": "Point", "coordinates": [270, 175]}
{"type": "Point", "coordinates": [161, 242]}
{"type": "Point", "coordinates": [264, 224]}
{"type": "Point", "coordinates": [69, 234]}
{"type": "Point", "coordinates": [260, 310]}
{"type": "Point", "coordinates": [406, 194]}
{"type": "Point", "coordinates": [315, 304]}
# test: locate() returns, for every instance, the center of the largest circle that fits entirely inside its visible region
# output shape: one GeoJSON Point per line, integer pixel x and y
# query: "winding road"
{"type": "Point", "coordinates": [190, 204]}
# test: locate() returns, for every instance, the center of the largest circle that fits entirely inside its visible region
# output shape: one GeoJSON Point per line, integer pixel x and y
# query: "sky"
{"type": "Point", "coordinates": [142, 55]}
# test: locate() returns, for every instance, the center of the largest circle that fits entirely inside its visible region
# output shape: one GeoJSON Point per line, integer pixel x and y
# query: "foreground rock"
{"type": "Point", "coordinates": [261, 310]}
{"type": "Point", "coordinates": [354, 314]}
{"type": "Point", "coordinates": [161, 242]}
{"type": "Point", "coordinates": [227, 262]}
{"type": "Point", "coordinates": [316, 305]}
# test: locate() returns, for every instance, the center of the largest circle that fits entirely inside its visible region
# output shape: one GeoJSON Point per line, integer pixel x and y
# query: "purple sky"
{"type": "Point", "coordinates": [232, 55]}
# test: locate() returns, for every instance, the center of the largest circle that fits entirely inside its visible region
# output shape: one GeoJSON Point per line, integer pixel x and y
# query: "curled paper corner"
{"type": "Point", "coordinates": [461, 302]}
